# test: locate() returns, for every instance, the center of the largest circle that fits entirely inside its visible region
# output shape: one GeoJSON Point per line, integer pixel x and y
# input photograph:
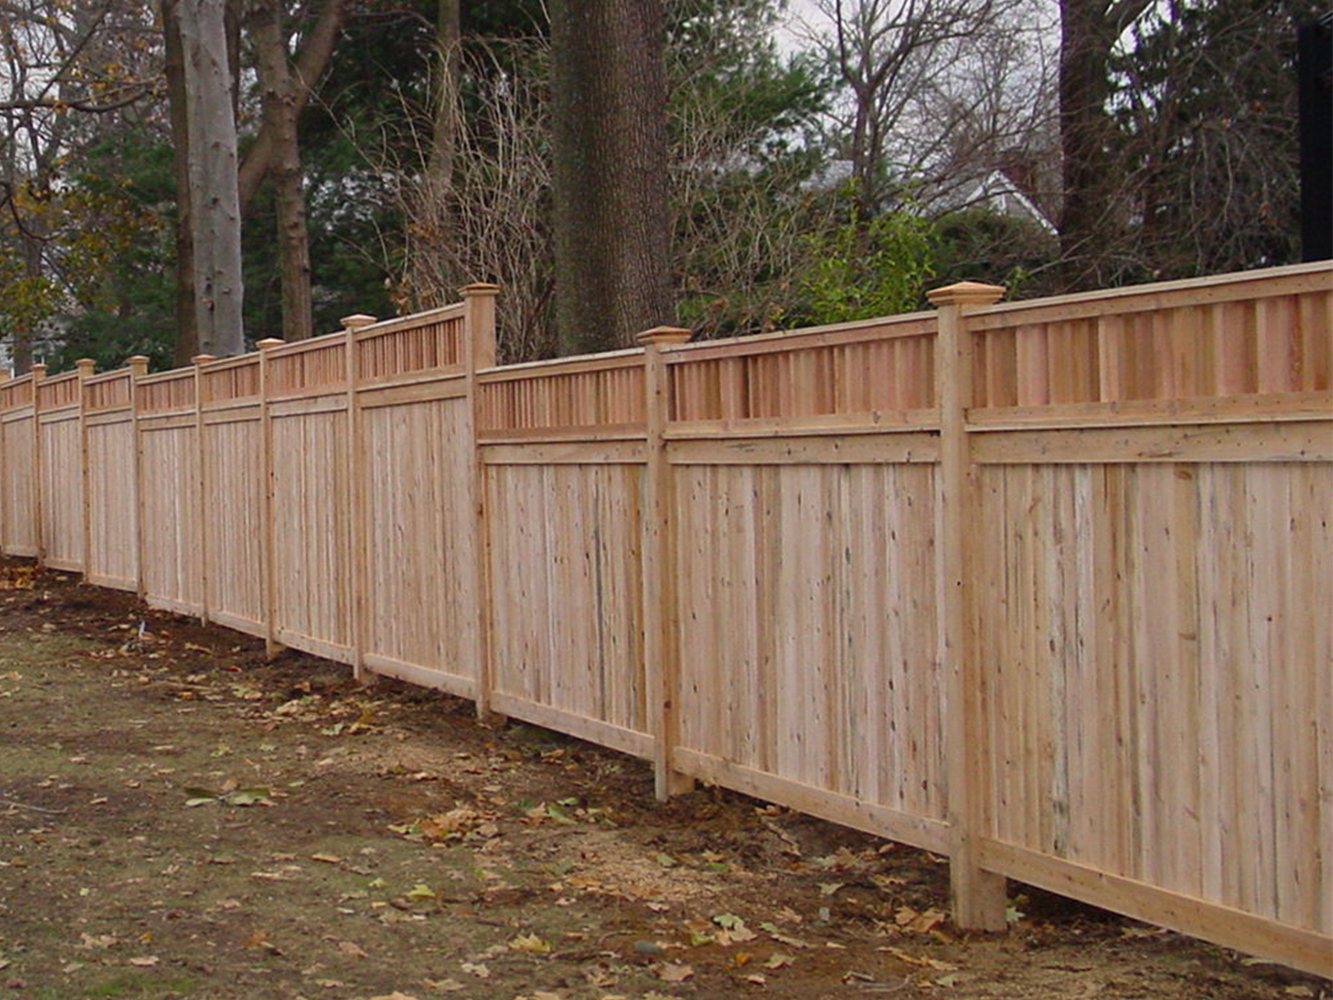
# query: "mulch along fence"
{"type": "Point", "coordinates": [1043, 586]}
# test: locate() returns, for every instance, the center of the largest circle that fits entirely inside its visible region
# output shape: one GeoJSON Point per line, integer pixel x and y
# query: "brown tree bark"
{"type": "Point", "coordinates": [1093, 211]}
{"type": "Point", "coordinates": [187, 332]}
{"type": "Point", "coordinates": [448, 38]}
{"type": "Point", "coordinates": [310, 64]}
{"type": "Point", "coordinates": [215, 208]}
{"type": "Point", "coordinates": [280, 99]}
{"type": "Point", "coordinates": [612, 229]}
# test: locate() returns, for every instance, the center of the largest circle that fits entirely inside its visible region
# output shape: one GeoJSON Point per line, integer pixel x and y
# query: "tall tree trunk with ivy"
{"type": "Point", "coordinates": [611, 222]}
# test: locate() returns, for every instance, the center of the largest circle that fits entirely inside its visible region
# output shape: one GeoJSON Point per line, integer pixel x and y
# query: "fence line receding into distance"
{"type": "Point", "coordinates": [1041, 586]}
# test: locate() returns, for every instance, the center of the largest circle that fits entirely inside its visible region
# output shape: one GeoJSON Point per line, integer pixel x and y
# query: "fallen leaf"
{"type": "Point", "coordinates": [145, 961]}
{"type": "Point", "coordinates": [96, 941]}
{"type": "Point", "coordinates": [444, 985]}
{"type": "Point", "coordinates": [351, 949]}
{"type": "Point", "coordinates": [395, 995]}
{"type": "Point", "coordinates": [671, 972]}
{"type": "Point", "coordinates": [477, 969]}
{"type": "Point", "coordinates": [529, 943]}
{"type": "Point", "coordinates": [918, 923]}
{"type": "Point", "coordinates": [778, 961]}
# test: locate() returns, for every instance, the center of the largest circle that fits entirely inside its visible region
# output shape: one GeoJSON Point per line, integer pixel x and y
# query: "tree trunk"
{"type": "Point", "coordinates": [280, 99]}
{"type": "Point", "coordinates": [310, 65]}
{"type": "Point", "coordinates": [187, 332]}
{"type": "Point", "coordinates": [612, 230]}
{"type": "Point", "coordinates": [216, 213]}
{"type": "Point", "coordinates": [448, 37]}
{"type": "Point", "coordinates": [1093, 213]}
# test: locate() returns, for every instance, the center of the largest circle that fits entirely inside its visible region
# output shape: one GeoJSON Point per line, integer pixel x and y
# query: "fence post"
{"type": "Point", "coordinates": [271, 645]}
{"type": "Point", "coordinates": [478, 351]}
{"type": "Point", "coordinates": [201, 480]}
{"type": "Point", "coordinates": [138, 366]}
{"type": "Point", "coordinates": [978, 895]}
{"type": "Point", "coordinates": [660, 643]}
{"type": "Point", "coordinates": [356, 503]}
{"type": "Point", "coordinates": [85, 367]}
{"type": "Point", "coordinates": [38, 535]}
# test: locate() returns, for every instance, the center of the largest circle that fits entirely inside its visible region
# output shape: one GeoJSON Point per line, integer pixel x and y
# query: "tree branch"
{"type": "Point", "coordinates": [311, 62]}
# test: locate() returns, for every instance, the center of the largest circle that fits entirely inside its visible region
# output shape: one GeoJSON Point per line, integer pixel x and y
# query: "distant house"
{"type": "Point", "coordinates": [998, 192]}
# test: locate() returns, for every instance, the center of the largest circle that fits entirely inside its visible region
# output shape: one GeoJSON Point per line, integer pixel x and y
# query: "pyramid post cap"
{"type": "Point", "coordinates": [665, 335]}
{"type": "Point", "coordinates": [357, 320]}
{"type": "Point", "coordinates": [965, 293]}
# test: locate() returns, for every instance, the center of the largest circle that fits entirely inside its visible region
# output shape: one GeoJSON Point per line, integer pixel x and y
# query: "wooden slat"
{"type": "Point", "coordinates": [1308, 441]}
{"type": "Point", "coordinates": [1234, 928]}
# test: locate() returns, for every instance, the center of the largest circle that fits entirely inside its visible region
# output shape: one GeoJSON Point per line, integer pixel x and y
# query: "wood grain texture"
{"type": "Point", "coordinates": [809, 645]}
{"type": "Point", "coordinates": [310, 528]}
{"type": "Point", "coordinates": [565, 571]}
{"type": "Point", "coordinates": [16, 491]}
{"type": "Point", "coordinates": [62, 489]}
{"type": "Point", "coordinates": [420, 548]}
{"type": "Point", "coordinates": [232, 519]}
{"type": "Point", "coordinates": [169, 540]}
{"type": "Point", "coordinates": [1153, 675]}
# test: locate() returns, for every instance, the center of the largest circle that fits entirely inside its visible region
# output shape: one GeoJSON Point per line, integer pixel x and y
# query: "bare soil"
{"type": "Point", "coordinates": [179, 818]}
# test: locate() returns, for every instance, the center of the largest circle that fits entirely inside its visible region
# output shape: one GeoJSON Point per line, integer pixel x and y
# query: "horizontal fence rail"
{"type": "Point", "coordinates": [1038, 585]}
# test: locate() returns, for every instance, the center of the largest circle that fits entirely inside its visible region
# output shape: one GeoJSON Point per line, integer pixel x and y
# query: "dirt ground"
{"type": "Point", "coordinates": [179, 818]}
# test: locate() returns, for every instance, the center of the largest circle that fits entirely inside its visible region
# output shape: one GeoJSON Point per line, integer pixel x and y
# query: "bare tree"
{"type": "Point", "coordinates": [489, 220]}
{"type": "Point", "coordinates": [920, 75]}
{"type": "Point", "coordinates": [67, 73]}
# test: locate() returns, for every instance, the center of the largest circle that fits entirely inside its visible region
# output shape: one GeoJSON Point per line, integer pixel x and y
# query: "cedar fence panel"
{"type": "Point", "coordinates": [1035, 585]}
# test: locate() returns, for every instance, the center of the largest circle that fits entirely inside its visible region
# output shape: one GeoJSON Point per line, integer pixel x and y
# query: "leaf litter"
{"type": "Point", "coordinates": [378, 844]}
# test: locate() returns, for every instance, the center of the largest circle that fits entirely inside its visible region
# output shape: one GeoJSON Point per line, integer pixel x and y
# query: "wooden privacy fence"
{"type": "Point", "coordinates": [1042, 586]}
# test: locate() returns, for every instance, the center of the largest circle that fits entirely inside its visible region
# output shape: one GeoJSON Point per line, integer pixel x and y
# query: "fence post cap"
{"type": "Point", "coordinates": [269, 342]}
{"type": "Point", "coordinates": [356, 321]}
{"type": "Point", "coordinates": [137, 364]}
{"type": "Point", "coordinates": [203, 359]}
{"type": "Point", "coordinates": [85, 366]}
{"type": "Point", "coordinates": [479, 288]}
{"type": "Point", "coordinates": [665, 335]}
{"type": "Point", "coordinates": [39, 370]}
{"type": "Point", "coordinates": [965, 293]}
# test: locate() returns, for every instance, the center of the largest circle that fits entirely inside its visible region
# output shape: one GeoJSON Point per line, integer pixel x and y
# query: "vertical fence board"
{"type": "Point", "coordinates": [233, 521]}
{"type": "Point", "coordinates": [112, 545]}
{"type": "Point", "coordinates": [310, 532]}
{"type": "Point", "coordinates": [169, 543]}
